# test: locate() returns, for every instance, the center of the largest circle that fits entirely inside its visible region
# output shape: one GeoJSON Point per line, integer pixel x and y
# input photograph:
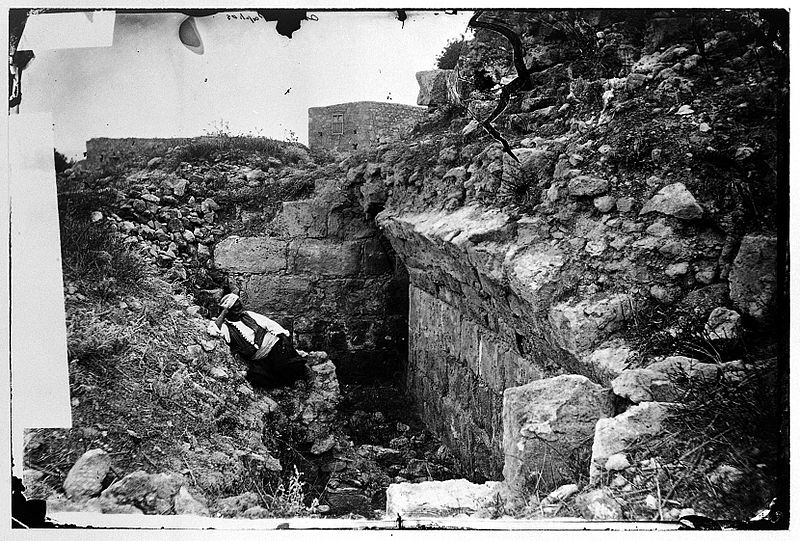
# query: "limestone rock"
{"type": "Point", "coordinates": [152, 493]}
{"type": "Point", "coordinates": [323, 445]}
{"type": "Point", "coordinates": [256, 175]}
{"type": "Point", "coordinates": [585, 185]}
{"type": "Point", "coordinates": [614, 434]}
{"type": "Point", "coordinates": [85, 478]}
{"type": "Point", "coordinates": [678, 366]}
{"type": "Point", "coordinates": [235, 505]}
{"type": "Point", "coordinates": [381, 454]}
{"type": "Point", "coordinates": [599, 505]}
{"type": "Point", "coordinates": [186, 504]}
{"type": "Point", "coordinates": [605, 203]}
{"type": "Point", "coordinates": [723, 324]}
{"type": "Point", "coordinates": [642, 385]}
{"type": "Point", "coordinates": [578, 327]}
{"type": "Point", "coordinates": [558, 412]}
{"type": "Point", "coordinates": [753, 280]}
{"type": "Point", "coordinates": [674, 200]}
{"type": "Point", "coordinates": [438, 498]}
{"type": "Point", "coordinates": [610, 358]}
{"type": "Point", "coordinates": [433, 87]}
{"type": "Point", "coordinates": [617, 462]}
{"type": "Point", "coordinates": [562, 493]}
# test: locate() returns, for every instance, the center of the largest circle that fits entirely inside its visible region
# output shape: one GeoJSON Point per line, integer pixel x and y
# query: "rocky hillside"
{"type": "Point", "coordinates": [627, 235]}
{"type": "Point", "coordinates": [592, 286]}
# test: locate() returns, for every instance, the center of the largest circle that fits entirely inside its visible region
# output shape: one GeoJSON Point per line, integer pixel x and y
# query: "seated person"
{"type": "Point", "coordinates": [258, 341]}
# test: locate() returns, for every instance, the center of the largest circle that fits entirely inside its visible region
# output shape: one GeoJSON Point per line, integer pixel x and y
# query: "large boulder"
{"type": "Point", "coordinates": [753, 278]}
{"type": "Point", "coordinates": [85, 478]}
{"type": "Point", "coordinates": [438, 498]}
{"type": "Point", "coordinates": [433, 87]}
{"type": "Point", "coordinates": [615, 434]}
{"type": "Point", "coordinates": [674, 200]}
{"type": "Point", "coordinates": [544, 422]}
{"type": "Point", "coordinates": [152, 493]}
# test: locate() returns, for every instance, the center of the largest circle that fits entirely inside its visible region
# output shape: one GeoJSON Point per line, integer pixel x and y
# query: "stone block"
{"type": "Point", "coordinates": [268, 294]}
{"type": "Point", "coordinates": [255, 255]}
{"type": "Point", "coordinates": [433, 87]}
{"type": "Point", "coordinates": [438, 498]}
{"type": "Point", "coordinates": [349, 224]}
{"type": "Point", "coordinates": [553, 413]}
{"type": "Point", "coordinates": [614, 435]}
{"type": "Point", "coordinates": [305, 218]}
{"type": "Point", "coordinates": [753, 278]}
{"type": "Point", "coordinates": [580, 326]}
{"type": "Point", "coordinates": [325, 257]}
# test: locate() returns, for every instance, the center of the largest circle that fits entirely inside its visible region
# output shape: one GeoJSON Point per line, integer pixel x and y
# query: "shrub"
{"type": "Point", "coordinates": [219, 146]}
{"type": "Point", "coordinates": [448, 58]}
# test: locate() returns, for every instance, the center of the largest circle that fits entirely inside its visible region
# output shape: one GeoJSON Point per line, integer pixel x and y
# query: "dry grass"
{"type": "Point", "coordinates": [725, 421]}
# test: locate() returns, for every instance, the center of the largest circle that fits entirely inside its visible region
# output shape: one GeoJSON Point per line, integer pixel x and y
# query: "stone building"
{"type": "Point", "coordinates": [359, 125]}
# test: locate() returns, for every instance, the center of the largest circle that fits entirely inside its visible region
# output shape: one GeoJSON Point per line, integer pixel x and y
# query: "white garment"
{"type": "Point", "coordinates": [270, 338]}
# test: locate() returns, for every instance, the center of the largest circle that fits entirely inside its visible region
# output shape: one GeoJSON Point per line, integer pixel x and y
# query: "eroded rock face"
{"type": "Point", "coordinates": [438, 498]}
{"type": "Point", "coordinates": [85, 478]}
{"type": "Point", "coordinates": [753, 278]}
{"type": "Point", "coordinates": [543, 423]}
